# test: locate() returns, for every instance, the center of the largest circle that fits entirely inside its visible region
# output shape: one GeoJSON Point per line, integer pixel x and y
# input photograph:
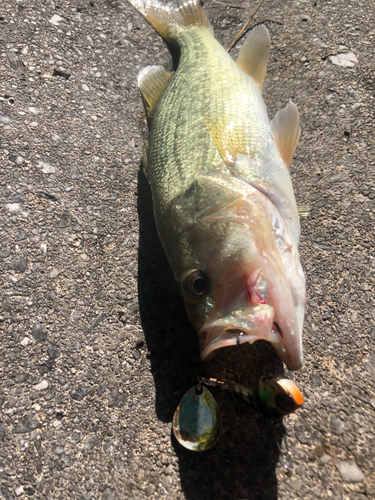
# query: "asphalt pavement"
{"type": "Point", "coordinates": [95, 347]}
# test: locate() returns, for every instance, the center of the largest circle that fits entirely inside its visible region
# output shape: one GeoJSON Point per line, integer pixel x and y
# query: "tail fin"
{"type": "Point", "coordinates": [169, 19]}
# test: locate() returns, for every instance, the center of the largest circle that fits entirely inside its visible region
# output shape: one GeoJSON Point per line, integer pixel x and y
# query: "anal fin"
{"type": "Point", "coordinates": [254, 54]}
{"type": "Point", "coordinates": [285, 128]}
{"type": "Point", "coordinates": [152, 80]}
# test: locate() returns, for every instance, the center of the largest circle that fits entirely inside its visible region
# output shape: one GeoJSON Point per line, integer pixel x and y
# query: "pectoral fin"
{"type": "Point", "coordinates": [152, 80]}
{"type": "Point", "coordinates": [229, 136]}
{"type": "Point", "coordinates": [285, 128]}
{"type": "Point", "coordinates": [254, 54]}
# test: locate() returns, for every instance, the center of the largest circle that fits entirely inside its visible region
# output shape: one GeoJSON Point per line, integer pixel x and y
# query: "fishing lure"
{"type": "Point", "coordinates": [197, 420]}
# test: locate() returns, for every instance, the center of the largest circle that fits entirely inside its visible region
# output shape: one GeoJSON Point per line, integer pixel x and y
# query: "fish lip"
{"type": "Point", "coordinates": [255, 323]}
{"type": "Point", "coordinates": [231, 339]}
{"type": "Point", "coordinates": [293, 363]}
{"type": "Point", "coordinates": [214, 336]}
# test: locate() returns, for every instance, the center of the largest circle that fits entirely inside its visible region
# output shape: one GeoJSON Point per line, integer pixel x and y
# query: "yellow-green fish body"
{"type": "Point", "coordinates": [222, 194]}
{"type": "Point", "coordinates": [207, 96]}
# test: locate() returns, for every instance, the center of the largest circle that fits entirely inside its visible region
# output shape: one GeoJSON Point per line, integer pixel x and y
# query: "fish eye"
{"type": "Point", "coordinates": [199, 285]}
{"type": "Point", "coordinates": [194, 284]}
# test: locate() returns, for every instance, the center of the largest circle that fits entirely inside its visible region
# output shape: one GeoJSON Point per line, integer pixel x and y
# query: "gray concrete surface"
{"type": "Point", "coordinates": [95, 348]}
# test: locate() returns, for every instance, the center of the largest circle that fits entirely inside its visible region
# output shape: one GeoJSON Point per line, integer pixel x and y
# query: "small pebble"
{"type": "Point", "coordinates": [350, 472]}
{"type": "Point", "coordinates": [21, 235]}
{"type": "Point", "coordinates": [41, 386]}
{"type": "Point", "coordinates": [56, 20]}
{"type": "Point", "coordinates": [50, 295]}
{"type": "Point", "coordinates": [14, 61]}
{"type": "Point", "coordinates": [353, 93]}
{"type": "Point", "coordinates": [38, 332]}
{"type": "Point", "coordinates": [5, 119]}
{"type": "Point", "coordinates": [169, 470]}
{"type": "Point", "coordinates": [33, 111]}
{"type": "Point", "coordinates": [45, 167]}
{"type": "Point", "coordinates": [59, 450]}
{"type": "Point", "coordinates": [26, 424]}
{"type": "Point", "coordinates": [13, 208]}
{"type": "Point", "coordinates": [337, 426]}
{"type": "Point", "coordinates": [369, 363]}
{"type": "Point", "coordinates": [19, 490]}
{"type": "Point", "coordinates": [325, 459]}
{"type": "Point", "coordinates": [348, 60]}
{"type": "Point", "coordinates": [54, 272]}
{"type": "Point", "coordinates": [76, 174]}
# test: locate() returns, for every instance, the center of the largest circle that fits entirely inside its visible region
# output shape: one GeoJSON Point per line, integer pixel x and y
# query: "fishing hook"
{"type": "Point", "coordinates": [238, 343]}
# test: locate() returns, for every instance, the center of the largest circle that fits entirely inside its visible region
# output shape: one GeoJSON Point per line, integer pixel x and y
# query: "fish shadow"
{"type": "Point", "coordinates": [242, 465]}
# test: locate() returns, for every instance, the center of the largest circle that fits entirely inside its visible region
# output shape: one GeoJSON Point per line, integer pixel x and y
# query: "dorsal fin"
{"type": "Point", "coordinates": [254, 54]}
{"type": "Point", "coordinates": [285, 128]}
{"type": "Point", "coordinates": [152, 80]}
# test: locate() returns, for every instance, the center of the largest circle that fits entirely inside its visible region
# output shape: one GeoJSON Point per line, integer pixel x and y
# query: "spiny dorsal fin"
{"type": "Point", "coordinates": [254, 54]}
{"type": "Point", "coordinates": [285, 128]}
{"type": "Point", "coordinates": [169, 19]}
{"type": "Point", "coordinates": [152, 80]}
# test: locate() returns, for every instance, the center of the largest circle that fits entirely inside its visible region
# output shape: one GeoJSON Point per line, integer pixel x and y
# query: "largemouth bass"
{"type": "Point", "coordinates": [222, 194]}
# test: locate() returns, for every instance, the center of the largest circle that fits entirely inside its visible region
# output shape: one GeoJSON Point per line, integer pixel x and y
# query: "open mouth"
{"type": "Point", "coordinates": [249, 325]}
{"type": "Point", "coordinates": [238, 328]}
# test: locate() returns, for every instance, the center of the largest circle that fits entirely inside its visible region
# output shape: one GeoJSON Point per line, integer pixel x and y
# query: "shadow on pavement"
{"type": "Point", "coordinates": [242, 464]}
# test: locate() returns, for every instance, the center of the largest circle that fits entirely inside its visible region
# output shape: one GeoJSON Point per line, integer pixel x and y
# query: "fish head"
{"type": "Point", "coordinates": [240, 274]}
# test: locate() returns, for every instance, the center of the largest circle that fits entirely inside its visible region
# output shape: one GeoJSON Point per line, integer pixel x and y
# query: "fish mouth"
{"type": "Point", "coordinates": [250, 325]}
{"type": "Point", "coordinates": [237, 328]}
